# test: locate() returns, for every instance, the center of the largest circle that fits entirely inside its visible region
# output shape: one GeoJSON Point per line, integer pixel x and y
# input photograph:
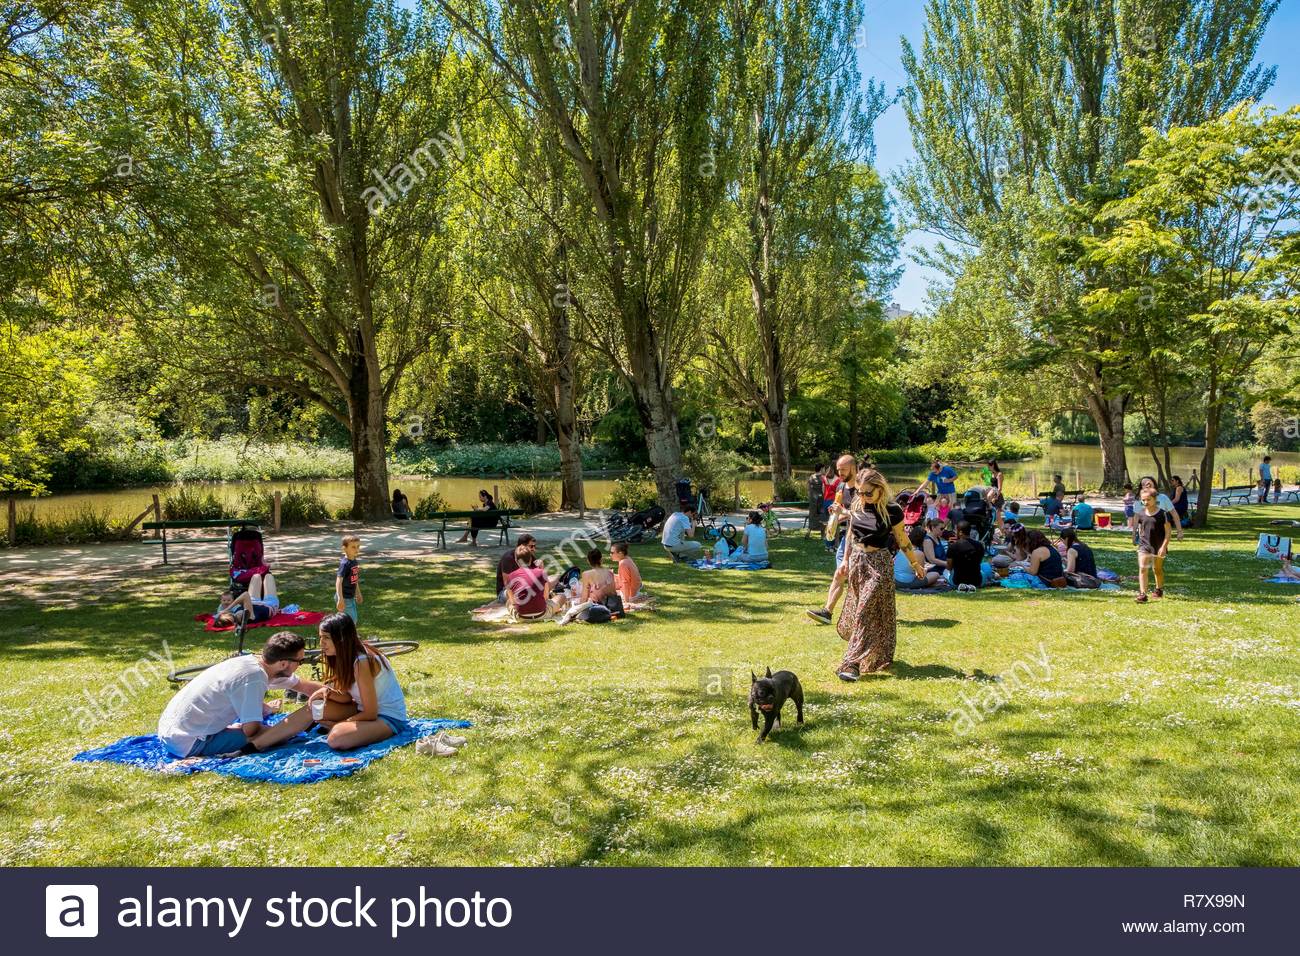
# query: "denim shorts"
{"type": "Point", "coordinates": [222, 742]}
{"type": "Point", "coordinates": [350, 608]}
{"type": "Point", "coordinates": [839, 550]}
{"type": "Point", "coordinates": [397, 723]}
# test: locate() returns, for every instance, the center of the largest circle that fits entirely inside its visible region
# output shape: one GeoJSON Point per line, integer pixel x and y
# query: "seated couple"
{"type": "Point", "coordinates": [955, 562]}
{"type": "Point", "coordinates": [259, 603]}
{"type": "Point", "coordinates": [1082, 515]}
{"type": "Point", "coordinates": [531, 595]}
{"type": "Point", "coordinates": [220, 712]}
{"type": "Point", "coordinates": [753, 544]}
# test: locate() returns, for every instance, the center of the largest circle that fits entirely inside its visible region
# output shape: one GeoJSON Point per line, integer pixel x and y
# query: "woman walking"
{"type": "Point", "coordinates": [869, 621]}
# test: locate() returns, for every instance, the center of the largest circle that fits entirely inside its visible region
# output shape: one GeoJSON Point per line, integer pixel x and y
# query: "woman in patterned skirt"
{"type": "Point", "coordinates": [869, 621]}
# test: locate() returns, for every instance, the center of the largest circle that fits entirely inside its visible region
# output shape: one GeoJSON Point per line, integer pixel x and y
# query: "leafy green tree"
{"type": "Point", "coordinates": [1211, 221]}
{"type": "Point", "coordinates": [626, 91]}
{"type": "Point", "coordinates": [1020, 107]}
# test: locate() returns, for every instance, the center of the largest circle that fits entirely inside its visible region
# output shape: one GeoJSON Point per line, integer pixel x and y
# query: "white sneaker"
{"type": "Point", "coordinates": [433, 747]}
{"type": "Point", "coordinates": [451, 740]}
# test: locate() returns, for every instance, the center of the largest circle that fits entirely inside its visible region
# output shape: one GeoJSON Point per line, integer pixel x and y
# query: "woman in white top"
{"type": "Point", "coordinates": [753, 543]}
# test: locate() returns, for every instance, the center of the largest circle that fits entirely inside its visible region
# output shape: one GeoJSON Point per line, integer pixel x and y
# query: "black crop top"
{"type": "Point", "coordinates": [868, 530]}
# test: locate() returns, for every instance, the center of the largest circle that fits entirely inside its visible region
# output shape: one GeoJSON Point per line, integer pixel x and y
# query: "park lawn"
{"type": "Point", "coordinates": [1156, 735]}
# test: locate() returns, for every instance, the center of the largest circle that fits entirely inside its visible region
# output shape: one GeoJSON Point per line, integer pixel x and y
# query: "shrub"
{"type": "Point", "coordinates": [790, 490]}
{"type": "Point", "coordinates": [299, 505]}
{"type": "Point", "coordinates": [495, 459]}
{"type": "Point", "coordinates": [192, 504]}
{"type": "Point", "coordinates": [429, 505]}
{"type": "Point", "coordinates": [635, 491]}
{"type": "Point", "coordinates": [80, 526]}
{"type": "Point", "coordinates": [233, 459]}
{"type": "Point", "coordinates": [533, 495]}
{"type": "Point", "coordinates": [712, 467]}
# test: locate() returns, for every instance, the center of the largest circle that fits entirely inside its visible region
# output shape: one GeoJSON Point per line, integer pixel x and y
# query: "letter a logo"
{"type": "Point", "coordinates": [71, 910]}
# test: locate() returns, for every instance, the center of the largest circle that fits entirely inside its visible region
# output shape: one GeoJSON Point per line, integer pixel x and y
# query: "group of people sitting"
{"type": "Point", "coordinates": [747, 547]}
{"type": "Point", "coordinates": [527, 593]}
{"type": "Point", "coordinates": [358, 701]}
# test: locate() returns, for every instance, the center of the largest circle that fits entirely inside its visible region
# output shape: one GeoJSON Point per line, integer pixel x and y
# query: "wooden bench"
{"type": "Point", "coordinates": [230, 524]}
{"type": "Point", "coordinates": [1036, 506]}
{"type": "Point", "coordinates": [503, 523]}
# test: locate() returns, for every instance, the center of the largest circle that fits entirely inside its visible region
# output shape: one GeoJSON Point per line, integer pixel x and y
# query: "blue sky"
{"type": "Point", "coordinates": [888, 20]}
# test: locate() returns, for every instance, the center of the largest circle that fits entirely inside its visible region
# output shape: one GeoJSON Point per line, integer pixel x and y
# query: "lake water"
{"type": "Point", "coordinates": [1069, 460]}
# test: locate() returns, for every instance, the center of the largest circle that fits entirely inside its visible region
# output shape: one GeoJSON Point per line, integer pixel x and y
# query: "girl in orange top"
{"type": "Point", "coordinates": [628, 578]}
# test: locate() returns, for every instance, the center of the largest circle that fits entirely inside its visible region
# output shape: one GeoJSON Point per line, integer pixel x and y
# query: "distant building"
{"type": "Point", "coordinates": [896, 311]}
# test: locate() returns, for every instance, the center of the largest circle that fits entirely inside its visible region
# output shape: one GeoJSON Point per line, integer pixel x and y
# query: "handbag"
{"type": "Point", "coordinates": [1274, 547]}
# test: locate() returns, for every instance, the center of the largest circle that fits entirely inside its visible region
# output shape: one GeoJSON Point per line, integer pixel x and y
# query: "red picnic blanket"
{"type": "Point", "coordinates": [297, 619]}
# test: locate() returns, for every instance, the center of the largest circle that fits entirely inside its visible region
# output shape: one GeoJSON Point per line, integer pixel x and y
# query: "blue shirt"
{"type": "Point", "coordinates": [1266, 472]}
{"type": "Point", "coordinates": [943, 480]}
{"type": "Point", "coordinates": [1082, 515]}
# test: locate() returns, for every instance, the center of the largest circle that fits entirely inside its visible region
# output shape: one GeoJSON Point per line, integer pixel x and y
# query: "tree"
{"type": "Point", "coordinates": [627, 91]}
{"type": "Point", "coordinates": [295, 181]}
{"type": "Point", "coordinates": [1211, 221]}
{"type": "Point", "coordinates": [1019, 107]}
{"type": "Point", "coordinates": [808, 214]}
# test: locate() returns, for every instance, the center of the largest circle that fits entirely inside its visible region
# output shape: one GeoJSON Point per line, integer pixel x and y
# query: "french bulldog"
{"type": "Point", "coordinates": [769, 694]}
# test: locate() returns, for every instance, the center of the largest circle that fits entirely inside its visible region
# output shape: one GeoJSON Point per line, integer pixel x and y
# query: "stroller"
{"type": "Point", "coordinates": [246, 559]}
{"type": "Point", "coordinates": [913, 505]}
{"type": "Point", "coordinates": [976, 511]}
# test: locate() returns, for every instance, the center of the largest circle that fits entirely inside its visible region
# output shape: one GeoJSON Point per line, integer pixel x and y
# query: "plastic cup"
{"type": "Point", "coordinates": [318, 708]}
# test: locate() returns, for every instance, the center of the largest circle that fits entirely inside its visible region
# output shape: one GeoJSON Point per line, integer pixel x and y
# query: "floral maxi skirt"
{"type": "Point", "coordinates": [869, 621]}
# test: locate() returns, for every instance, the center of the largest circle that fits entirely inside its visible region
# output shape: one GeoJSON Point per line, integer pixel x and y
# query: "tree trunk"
{"type": "Point", "coordinates": [369, 464]}
{"type": "Point", "coordinates": [778, 444]}
{"type": "Point", "coordinates": [566, 415]}
{"type": "Point", "coordinates": [1108, 415]}
{"type": "Point", "coordinates": [1213, 414]}
{"type": "Point", "coordinates": [663, 443]}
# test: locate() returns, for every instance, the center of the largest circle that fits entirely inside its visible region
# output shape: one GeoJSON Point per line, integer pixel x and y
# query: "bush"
{"type": "Point", "coordinates": [299, 505]}
{"type": "Point", "coordinates": [534, 495]}
{"type": "Point", "coordinates": [495, 459]}
{"type": "Point", "coordinates": [233, 459]}
{"type": "Point", "coordinates": [81, 526]}
{"type": "Point", "coordinates": [429, 505]}
{"type": "Point", "coordinates": [712, 467]}
{"type": "Point", "coordinates": [192, 504]}
{"type": "Point", "coordinates": [998, 447]}
{"type": "Point", "coordinates": [790, 490]}
{"type": "Point", "coordinates": [635, 491]}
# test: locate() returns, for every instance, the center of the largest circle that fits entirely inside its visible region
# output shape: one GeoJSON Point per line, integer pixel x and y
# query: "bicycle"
{"type": "Point", "coordinates": [311, 656]}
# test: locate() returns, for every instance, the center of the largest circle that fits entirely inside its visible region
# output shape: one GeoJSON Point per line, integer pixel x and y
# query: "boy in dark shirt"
{"type": "Point", "coordinates": [964, 558]}
{"type": "Point", "coordinates": [347, 582]}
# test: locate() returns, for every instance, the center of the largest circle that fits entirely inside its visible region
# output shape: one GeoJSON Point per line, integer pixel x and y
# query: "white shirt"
{"type": "Point", "coordinates": [675, 529]}
{"type": "Point", "coordinates": [392, 702]}
{"type": "Point", "coordinates": [756, 536]}
{"type": "Point", "coordinates": [227, 693]}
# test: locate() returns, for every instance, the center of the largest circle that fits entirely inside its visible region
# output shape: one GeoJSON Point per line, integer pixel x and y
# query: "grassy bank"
{"type": "Point", "coordinates": [1154, 735]}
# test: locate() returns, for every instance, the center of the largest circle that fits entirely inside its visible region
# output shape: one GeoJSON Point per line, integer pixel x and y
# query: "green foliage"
{"type": "Point", "coordinates": [1275, 428]}
{"type": "Point", "coordinates": [533, 495]}
{"type": "Point", "coordinates": [232, 459]}
{"type": "Point", "coordinates": [188, 503]}
{"type": "Point", "coordinates": [495, 459]}
{"type": "Point", "coordinates": [299, 505]}
{"type": "Point", "coordinates": [711, 466]}
{"type": "Point", "coordinates": [635, 491]}
{"type": "Point", "coordinates": [429, 505]}
{"type": "Point", "coordinates": [791, 490]}
{"type": "Point", "coordinates": [80, 526]}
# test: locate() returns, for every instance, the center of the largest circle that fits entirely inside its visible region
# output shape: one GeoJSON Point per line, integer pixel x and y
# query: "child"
{"type": "Point", "coordinates": [1154, 529]}
{"type": "Point", "coordinates": [1130, 513]}
{"type": "Point", "coordinates": [347, 583]}
{"type": "Point", "coordinates": [628, 576]}
{"type": "Point", "coordinates": [931, 508]}
{"type": "Point", "coordinates": [944, 508]}
{"type": "Point", "coordinates": [1277, 490]}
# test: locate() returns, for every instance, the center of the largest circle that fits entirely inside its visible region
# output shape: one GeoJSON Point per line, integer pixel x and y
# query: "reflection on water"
{"type": "Point", "coordinates": [1081, 463]}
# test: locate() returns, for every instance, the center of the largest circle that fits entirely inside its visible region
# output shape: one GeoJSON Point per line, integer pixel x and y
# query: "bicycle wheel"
{"type": "Point", "coordinates": [183, 674]}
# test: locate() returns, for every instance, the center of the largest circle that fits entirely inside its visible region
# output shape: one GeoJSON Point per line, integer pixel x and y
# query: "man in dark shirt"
{"type": "Point", "coordinates": [964, 558]}
{"type": "Point", "coordinates": [510, 562]}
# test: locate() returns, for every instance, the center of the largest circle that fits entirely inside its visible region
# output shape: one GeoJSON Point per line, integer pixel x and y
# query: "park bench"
{"type": "Point", "coordinates": [1226, 496]}
{"type": "Point", "coordinates": [229, 524]}
{"type": "Point", "coordinates": [1036, 506]}
{"type": "Point", "coordinates": [446, 519]}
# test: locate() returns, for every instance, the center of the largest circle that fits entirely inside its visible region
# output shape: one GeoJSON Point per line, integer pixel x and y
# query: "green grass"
{"type": "Point", "coordinates": [1165, 736]}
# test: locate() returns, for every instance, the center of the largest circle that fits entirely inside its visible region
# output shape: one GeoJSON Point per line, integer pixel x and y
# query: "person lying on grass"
{"type": "Point", "coordinates": [221, 711]}
{"type": "Point", "coordinates": [360, 700]}
{"type": "Point", "coordinates": [259, 603]}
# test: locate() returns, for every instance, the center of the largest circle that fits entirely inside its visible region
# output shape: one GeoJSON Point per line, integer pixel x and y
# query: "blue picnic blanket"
{"type": "Point", "coordinates": [306, 758]}
{"type": "Point", "coordinates": [704, 564]}
{"type": "Point", "coordinates": [1281, 580]}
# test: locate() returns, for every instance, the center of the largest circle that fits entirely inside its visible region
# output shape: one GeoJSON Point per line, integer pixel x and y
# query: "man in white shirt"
{"type": "Point", "coordinates": [678, 530]}
{"type": "Point", "coordinates": [220, 711]}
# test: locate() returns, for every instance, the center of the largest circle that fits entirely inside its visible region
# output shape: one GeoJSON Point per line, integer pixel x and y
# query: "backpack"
{"type": "Point", "coordinates": [595, 614]}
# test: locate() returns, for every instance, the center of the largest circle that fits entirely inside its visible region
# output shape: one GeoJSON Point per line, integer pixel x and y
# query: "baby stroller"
{"type": "Point", "coordinates": [648, 519]}
{"type": "Point", "coordinates": [617, 527]}
{"type": "Point", "coordinates": [246, 559]}
{"type": "Point", "coordinates": [913, 505]}
{"type": "Point", "coordinates": [976, 512]}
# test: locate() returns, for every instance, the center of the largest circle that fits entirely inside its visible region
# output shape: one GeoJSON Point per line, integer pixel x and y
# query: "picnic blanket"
{"type": "Point", "coordinates": [1280, 579]}
{"type": "Point", "coordinates": [704, 564]}
{"type": "Point", "coordinates": [281, 619]}
{"type": "Point", "coordinates": [306, 758]}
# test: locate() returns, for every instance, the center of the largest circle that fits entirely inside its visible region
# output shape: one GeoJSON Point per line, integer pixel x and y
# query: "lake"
{"type": "Point", "coordinates": [1069, 460]}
